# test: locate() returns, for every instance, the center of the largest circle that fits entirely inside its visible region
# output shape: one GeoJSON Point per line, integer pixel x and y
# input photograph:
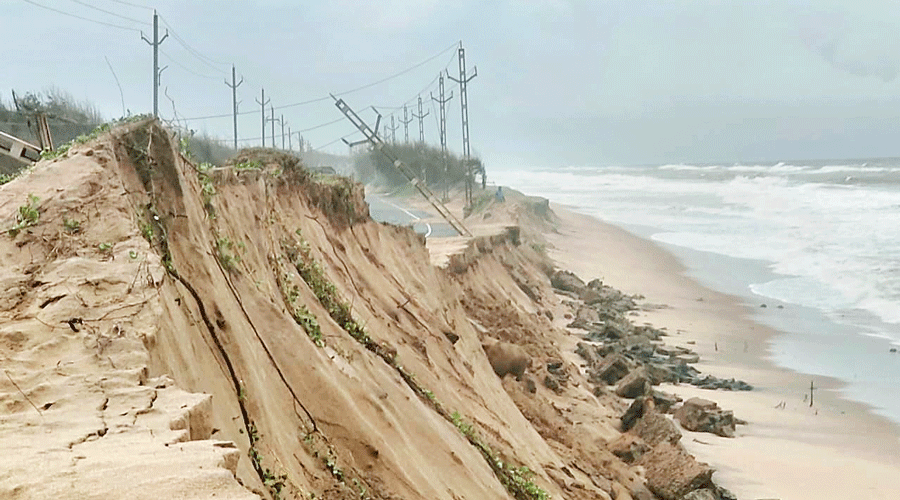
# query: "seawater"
{"type": "Point", "coordinates": [827, 234]}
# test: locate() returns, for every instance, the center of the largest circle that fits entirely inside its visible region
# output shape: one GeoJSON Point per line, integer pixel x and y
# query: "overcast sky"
{"type": "Point", "coordinates": [560, 82]}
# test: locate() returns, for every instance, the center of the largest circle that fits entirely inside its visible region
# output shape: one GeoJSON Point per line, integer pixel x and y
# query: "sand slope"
{"type": "Point", "coordinates": [184, 373]}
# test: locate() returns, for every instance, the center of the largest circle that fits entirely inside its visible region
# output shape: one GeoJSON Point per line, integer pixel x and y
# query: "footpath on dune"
{"type": "Point", "coordinates": [172, 330]}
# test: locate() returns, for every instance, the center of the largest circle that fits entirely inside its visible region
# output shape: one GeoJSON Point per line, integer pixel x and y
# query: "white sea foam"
{"type": "Point", "coordinates": [838, 245]}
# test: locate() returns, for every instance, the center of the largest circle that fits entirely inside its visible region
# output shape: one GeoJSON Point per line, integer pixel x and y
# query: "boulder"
{"type": "Point", "coordinates": [701, 494]}
{"type": "Point", "coordinates": [615, 330]}
{"type": "Point", "coordinates": [635, 384]}
{"type": "Point", "coordinates": [655, 428]}
{"type": "Point", "coordinates": [567, 281]}
{"type": "Point", "coordinates": [703, 415]}
{"type": "Point", "coordinates": [661, 373]}
{"type": "Point", "coordinates": [587, 314]}
{"type": "Point", "coordinates": [611, 371]}
{"type": "Point", "coordinates": [663, 401]}
{"type": "Point", "coordinates": [635, 412]}
{"type": "Point", "coordinates": [628, 447]}
{"type": "Point", "coordinates": [672, 473]}
{"type": "Point", "coordinates": [588, 353]}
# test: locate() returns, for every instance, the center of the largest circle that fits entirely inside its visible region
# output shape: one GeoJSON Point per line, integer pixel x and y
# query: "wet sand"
{"type": "Point", "coordinates": [789, 450]}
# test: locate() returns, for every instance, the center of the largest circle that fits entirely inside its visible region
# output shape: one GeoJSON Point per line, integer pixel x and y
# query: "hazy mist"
{"type": "Point", "coordinates": [559, 82]}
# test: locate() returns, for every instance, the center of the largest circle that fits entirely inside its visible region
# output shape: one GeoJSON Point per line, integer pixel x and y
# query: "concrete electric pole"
{"type": "Point", "coordinates": [420, 116]}
{"type": "Point", "coordinates": [263, 103]}
{"type": "Point", "coordinates": [443, 125]}
{"type": "Point", "coordinates": [464, 103]}
{"type": "Point", "coordinates": [393, 128]}
{"type": "Point", "coordinates": [406, 121]}
{"type": "Point", "coordinates": [155, 44]}
{"type": "Point", "coordinates": [234, 103]}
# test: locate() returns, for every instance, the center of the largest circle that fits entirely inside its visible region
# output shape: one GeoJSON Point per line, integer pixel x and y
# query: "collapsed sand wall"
{"type": "Point", "coordinates": [330, 351]}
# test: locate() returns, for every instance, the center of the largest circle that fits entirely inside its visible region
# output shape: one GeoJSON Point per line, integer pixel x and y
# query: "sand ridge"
{"type": "Point", "coordinates": [190, 283]}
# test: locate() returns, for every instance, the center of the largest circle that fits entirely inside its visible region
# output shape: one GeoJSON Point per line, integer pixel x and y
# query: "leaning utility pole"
{"type": "Point", "coordinates": [234, 103]}
{"type": "Point", "coordinates": [281, 121]}
{"type": "Point", "coordinates": [263, 102]}
{"type": "Point", "coordinates": [443, 124]}
{"type": "Point", "coordinates": [405, 121]}
{"type": "Point", "coordinates": [393, 128]}
{"type": "Point", "coordinates": [373, 138]}
{"type": "Point", "coordinates": [420, 116]}
{"type": "Point", "coordinates": [155, 44]}
{"type": "Point", "coordinates": [464, 103]}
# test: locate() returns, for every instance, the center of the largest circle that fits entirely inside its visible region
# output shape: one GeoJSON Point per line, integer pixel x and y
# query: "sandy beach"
{"type": "Point", "coordinates": [788, 450]}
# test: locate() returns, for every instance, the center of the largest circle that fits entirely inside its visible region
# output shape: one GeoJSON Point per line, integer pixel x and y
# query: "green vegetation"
{"type": "Point", "coordinates": [207, 188]}
{"type": "Point", "coordinates": [54, 103]}
{"type": "Point", "coordinates": [324, 290]}
{"type": "Point", "coordinates": [147, 231]}
{"type": "Point", "coordinates": [81, 139]}
{"type": "Point", "coordinates": [301, 314]}
{"type": "Point", "coordinates": [517, 480]}
{"type": "Point", "coordinates": [72, 225]}
{"type": "Point", "coordinates": [425, 161]}
{"type": "Point", "coordinates": [275, 482]}
{"type": "Point", "coordinates": [4, 178]}
{"type": "Point", "coordinates": [225, 254]}
{"type": "Point", "coordinates": [248, 165]}
{"type": "Point", "coordinates": [105, 247]}
{"type": "Point", "coordinates": [27, 215]}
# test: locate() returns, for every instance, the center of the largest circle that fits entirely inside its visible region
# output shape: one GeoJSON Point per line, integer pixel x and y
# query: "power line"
{"type": "Point", "coordinates": [189, 70]}
{"type": "Point", "coordinates": [202, 58]}
{"type": "Point", "coordinates": [131, 4]}
{"type": "Point", "coordinates": [426, 89]}
{"type": "Point", "coordinates": [79, 2]}
{"type": "Point", "coordinates": [82, 17]}
{"type": "Point", "coordinates": [357, 89]}
{"type": "Point", "coordinates": [320, 125]}
{"type": "Point", "coordinates": [323, 146]}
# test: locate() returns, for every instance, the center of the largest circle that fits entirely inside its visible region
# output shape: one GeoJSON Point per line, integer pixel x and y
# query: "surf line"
{"type": "Point", "coordinates": [414, 216]}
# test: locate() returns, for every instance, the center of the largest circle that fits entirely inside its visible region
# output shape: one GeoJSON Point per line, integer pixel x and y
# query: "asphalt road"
{"type": "Point", "coordinates": [383, 209]}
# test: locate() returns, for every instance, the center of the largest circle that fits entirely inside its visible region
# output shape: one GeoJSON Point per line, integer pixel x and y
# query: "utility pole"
{"type": "Point", "coordinates": [377, 143]}
{"type": "Point", "coordinates": [405, 121]}
{"type": "Point", "coordinates": [234, 103]}
{"type": "Point", "coordinates": [299, 140]}
{"type": "Point", "coordinates": [290, 143]}
{"type": "Point", "coordinates": [443, 124]}
{"type": "Point", "coordinates": [281, 121]}
{"type": "Point", "coordinates": [420, 116]}
{"type": "Point", "coordinates": [263, 103]}
{"type": "Point", "coordinates": [464, 103]}
{"type": "Point", "coordinates": [155, 44]}
{"type": "Point", "coordinates": [273, 120]}
{"type": "Point", "coordinates": [393, 128]}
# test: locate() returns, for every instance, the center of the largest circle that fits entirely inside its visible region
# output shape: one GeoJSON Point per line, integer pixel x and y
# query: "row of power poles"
{"type": "Point", "coordinates": [233, 85]}
{"type": "Point", "coordinates": [442, 100]}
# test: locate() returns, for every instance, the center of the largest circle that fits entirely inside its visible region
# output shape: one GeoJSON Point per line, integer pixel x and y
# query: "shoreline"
{"type": "Point", "coordinates": [856, 451]}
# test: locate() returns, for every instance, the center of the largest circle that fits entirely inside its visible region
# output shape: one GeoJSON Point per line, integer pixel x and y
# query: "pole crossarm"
{"type": "Point", "coordinates": [372, 137]}
{"type": "Point", "coordinates": [157, 41]}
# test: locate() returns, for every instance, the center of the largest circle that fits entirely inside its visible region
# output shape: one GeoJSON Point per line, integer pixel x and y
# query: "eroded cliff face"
{"type": "Point", "coordinates": [158, 311]}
